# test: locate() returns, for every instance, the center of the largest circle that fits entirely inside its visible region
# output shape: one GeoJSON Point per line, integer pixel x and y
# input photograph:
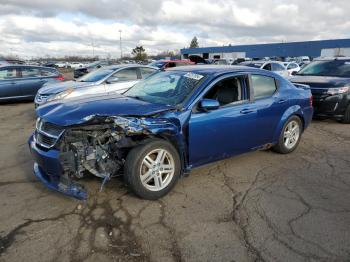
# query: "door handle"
{"type": "Point", "coordinates": [247, 111]}
{"type": "Point", "coordinates": [281, 101]}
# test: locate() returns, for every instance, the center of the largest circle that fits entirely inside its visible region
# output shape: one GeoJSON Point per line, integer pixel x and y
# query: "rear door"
{"type": "Point", "coordinates": [8, 83]}
{"type": "Point", "coordinates": [123, 80]}
{"type": "Point", "coordinates": [31, 81]}
{"type": "Point", "coordinates": [271, 102]}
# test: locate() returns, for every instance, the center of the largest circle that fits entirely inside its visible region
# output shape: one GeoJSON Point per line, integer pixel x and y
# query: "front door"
{"type": "Point", "coordinates": [228, 130]}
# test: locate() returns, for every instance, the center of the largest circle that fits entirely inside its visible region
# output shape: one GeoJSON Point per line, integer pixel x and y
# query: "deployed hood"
{"type": "Point", "coordinates": [79, 110]}
{"type": "Point", "coordinates": [58, 87]}
{"type": "Point", "coordinates": [321, 81]}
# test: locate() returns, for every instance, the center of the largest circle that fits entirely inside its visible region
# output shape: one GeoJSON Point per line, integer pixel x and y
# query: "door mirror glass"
{"type": "Point", "coordinates": [209, 104]}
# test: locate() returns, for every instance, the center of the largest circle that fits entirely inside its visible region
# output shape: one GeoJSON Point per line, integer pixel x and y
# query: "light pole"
{"type": "Point", "coordinates": [120, 42]}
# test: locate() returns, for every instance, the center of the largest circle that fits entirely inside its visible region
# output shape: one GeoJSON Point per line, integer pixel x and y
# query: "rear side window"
{"type": "Point", "coordinates": [48, 72]}
{"type": "Point", "coordinates": [263, 86]}
{"type": "Point", "coordinates": [8, 73]}
{"type": "Point", "coordinates": [277, 67]}
{"type": "Point", "coordinates": [145, 71]}
{"type": "Point", "coordinates": [292, 66]}
{"type": "Point", "coordinates": [30, 72]}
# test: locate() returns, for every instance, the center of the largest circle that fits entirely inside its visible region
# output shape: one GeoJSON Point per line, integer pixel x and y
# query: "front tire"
{"type": "Point", "coordinates": [152, 169]}
{"type": "Point", "coordinates": [290, 136]}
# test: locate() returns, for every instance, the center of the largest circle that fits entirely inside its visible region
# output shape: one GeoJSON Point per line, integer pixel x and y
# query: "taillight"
{"type": "Point", "coordinates": [311, 98]}
{"type": "Point", "coordinates": [60, 78]}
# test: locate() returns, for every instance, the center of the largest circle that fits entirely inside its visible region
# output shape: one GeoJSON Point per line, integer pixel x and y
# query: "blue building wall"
{"type": "Point", "coordinates": [308, 48]}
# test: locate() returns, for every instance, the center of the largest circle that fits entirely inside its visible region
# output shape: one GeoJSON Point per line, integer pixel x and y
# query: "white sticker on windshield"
{"type": "Point", "coordinates": [193, 76]}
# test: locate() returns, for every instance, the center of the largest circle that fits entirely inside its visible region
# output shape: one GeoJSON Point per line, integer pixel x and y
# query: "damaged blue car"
{"type": "Point", "coordinates": [166, 125]}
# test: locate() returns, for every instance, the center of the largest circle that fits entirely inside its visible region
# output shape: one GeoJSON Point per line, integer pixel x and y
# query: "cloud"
{"type": "Point", "coordinates": [69, 27]}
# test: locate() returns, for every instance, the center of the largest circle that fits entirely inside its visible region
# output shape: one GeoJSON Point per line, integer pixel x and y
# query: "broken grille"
{"type": "Point", "coordinates": [47, 134]}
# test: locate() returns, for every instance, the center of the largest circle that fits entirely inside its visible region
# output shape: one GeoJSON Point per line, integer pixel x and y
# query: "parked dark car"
{"type": "Point", "coordinates": [164, 126]}
{"type": "Point", "coordinates": [21, 82]}
{"type": "Point", "coordinates": [329, 79]}
{"type": "Point", "coordinates": [79, 72]}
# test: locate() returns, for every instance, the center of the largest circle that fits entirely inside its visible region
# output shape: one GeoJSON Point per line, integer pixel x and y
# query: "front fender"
{"type": "Point", "coordinates": [293, 110]}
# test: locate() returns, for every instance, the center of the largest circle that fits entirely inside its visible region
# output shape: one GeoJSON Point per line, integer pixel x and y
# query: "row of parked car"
{"type": "Point", "coordinates": [329, 79]}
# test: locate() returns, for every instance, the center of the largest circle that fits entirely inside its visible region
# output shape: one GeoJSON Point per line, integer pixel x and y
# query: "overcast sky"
{"type": "Point", "coordinates": [70, 27]}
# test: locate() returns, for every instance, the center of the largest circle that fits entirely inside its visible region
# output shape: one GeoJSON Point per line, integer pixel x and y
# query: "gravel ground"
{"type": "Point", "coordinates": [260, 206]}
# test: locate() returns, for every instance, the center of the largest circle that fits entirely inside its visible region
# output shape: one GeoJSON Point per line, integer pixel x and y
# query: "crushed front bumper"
{"type": "Point", "coordinates": [48, 170]}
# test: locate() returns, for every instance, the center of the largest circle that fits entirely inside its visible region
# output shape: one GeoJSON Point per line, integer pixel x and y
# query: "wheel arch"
{"type": "Point", "coordinates": [294, 110]}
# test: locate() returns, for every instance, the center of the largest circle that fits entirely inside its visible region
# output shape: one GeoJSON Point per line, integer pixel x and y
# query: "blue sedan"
{"type": "Point", "coordinates": [21, 82]}
{"type": "Point", "coordinates": [168, 124]}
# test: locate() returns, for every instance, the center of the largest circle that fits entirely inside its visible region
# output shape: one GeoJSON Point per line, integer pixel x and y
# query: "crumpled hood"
{"type": "Point", "coordinates": [58, 87]}
{"type": "Point", "coordinates": [321, 81]}
{"type": "Point", "coordinates": [79, 110]}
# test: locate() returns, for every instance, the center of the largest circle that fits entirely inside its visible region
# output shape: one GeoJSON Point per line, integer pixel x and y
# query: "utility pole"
{"type": "Point", "coordinates": [120, 41]}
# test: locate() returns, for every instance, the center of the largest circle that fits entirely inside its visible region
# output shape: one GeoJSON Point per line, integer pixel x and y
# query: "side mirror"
{"type": "Point", "coordinates": [294, 73]}
{"type": "Point", "coordinates": [112, 80]}
{"type": "Point", "coordinates": [209, 104]}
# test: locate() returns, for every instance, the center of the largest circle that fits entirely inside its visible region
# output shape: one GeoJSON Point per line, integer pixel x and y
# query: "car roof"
{"type": "Point", "coordinates": [177, 60]}
{"type": "Point", "coordinates": [29, 66]}
{"type": "Point", "coordinates": [215, 69]}
{"type": "Point", "coordinates": [115, 67]}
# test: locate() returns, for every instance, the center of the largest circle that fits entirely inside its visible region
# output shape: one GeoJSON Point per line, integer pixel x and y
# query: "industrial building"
{"type": "Point", "coordinates": [335, 47]}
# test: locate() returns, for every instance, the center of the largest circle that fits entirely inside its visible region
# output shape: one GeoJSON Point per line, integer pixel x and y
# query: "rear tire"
{"type": "Point", "coordinates": [346, 118]}
{"type": "Point", "coordinates": [290, 136]}
{"type": "Point", "coordinates": [152, 169]}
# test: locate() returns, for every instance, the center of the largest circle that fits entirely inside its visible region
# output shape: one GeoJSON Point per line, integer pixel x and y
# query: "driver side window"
{"type": "Point", "coordinates": [228, 91]}
{"type": "Point", "coordinates": [128, 74]}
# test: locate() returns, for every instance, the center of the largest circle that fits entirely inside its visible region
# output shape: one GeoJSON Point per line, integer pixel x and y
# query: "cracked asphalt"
{"type": "Point", "coordinates": [260, 206]}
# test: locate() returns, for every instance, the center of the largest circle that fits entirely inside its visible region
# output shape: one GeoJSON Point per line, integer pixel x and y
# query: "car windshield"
{"type": "Point", "coordinates": [338, 68]}
{"type": "Point", "coordinates": [95, 76]}
{"type": "Point", "coordinates": [169, 88]}
{"type": "Point", "coordinates": [158, 64]}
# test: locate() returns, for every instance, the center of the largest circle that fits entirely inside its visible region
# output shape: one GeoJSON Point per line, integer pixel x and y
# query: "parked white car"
{"type": "Point", "coordinates": [62, 64]}
{"type": "Point", "coordinates": [76, 65]}
{"type": "Point", "coordinates": [117, 78]}
{"type": "Point", "coordinates": [273, 66]}
{"type": "Point", "coordinates": [292, 67]}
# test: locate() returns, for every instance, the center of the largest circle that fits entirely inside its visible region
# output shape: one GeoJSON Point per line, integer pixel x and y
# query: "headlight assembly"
{"type": "Point", "coordinates": [60, 95]}
{"type": "Point", "coordinates": [338, 90]}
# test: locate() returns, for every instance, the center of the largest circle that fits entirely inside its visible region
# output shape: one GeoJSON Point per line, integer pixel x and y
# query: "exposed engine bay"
{"type": "Point", "coordinates": [100, 146]}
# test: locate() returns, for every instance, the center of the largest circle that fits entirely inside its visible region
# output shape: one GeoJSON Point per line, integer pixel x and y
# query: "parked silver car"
{"type": "Point", "coordinates": [274, 66]}
{"type": "Point", "coordinates": [117, 78]}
